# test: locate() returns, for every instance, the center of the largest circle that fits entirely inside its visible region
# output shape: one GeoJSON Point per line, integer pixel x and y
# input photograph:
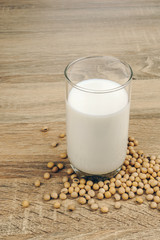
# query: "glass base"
{"type": "Point", "coordinates": [96, 177]}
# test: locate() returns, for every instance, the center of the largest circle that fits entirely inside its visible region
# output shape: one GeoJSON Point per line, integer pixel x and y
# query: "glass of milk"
{"type": "Point", "coordinates": [97, 107]}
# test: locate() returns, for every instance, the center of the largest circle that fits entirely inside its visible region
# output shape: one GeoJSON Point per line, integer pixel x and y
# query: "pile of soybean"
{"type": "Point", "coordinates": [139, 179]}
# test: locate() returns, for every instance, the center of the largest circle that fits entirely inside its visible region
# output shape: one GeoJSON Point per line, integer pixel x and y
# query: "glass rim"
{"type": "Point", "coordinates": [97, 91]}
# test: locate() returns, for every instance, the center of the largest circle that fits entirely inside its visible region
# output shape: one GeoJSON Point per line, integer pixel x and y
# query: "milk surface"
{"type": "Point", "coordinates": [97, 127]}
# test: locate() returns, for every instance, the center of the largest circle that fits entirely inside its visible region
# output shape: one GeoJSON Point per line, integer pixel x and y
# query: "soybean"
{"type": "Point", "coordinates": [25, 203]}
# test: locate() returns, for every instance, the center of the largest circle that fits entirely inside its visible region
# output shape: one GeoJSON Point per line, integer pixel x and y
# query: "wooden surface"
{"type": "Point", "coordinates": [37, 40]}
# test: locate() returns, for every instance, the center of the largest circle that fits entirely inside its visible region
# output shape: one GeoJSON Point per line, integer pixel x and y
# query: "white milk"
{"type": "Point", "coordinates": [97, 127]}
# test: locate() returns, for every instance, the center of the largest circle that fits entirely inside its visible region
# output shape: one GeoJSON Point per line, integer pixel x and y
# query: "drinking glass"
{"type": "Point", "coordinates": [98, 92]}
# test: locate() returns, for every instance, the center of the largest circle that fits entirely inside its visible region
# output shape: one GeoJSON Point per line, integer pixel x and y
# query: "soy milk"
{"type": "Point", "coordinates": [97, 126]}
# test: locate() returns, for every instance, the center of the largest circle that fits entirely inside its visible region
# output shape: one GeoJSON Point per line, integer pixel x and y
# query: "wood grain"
{"type": "Point", "coordinates": [37, 40]}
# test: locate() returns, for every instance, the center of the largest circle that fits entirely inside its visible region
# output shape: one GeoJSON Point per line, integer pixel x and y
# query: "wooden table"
{"type": "Point", "coordinates": [37, 40]}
